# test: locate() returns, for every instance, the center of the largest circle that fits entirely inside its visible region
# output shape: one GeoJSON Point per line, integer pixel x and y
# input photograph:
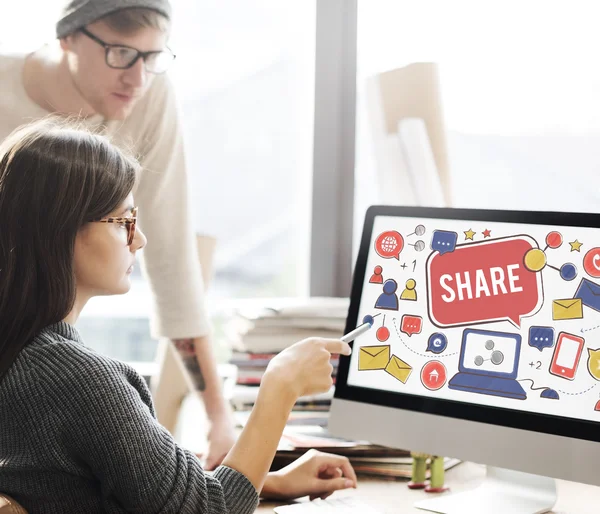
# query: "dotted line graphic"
{"type": "Point", "coordinates": [583, 330]}
{"type": "Point", "coordinates": [576, 394]}
{"type": "Point", "coordinates": [434, 356]}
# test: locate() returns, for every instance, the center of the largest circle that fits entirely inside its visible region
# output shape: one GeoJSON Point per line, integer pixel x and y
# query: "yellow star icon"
{"type": "Point", "coordinates": [469, 234]}
{"type": "Point", "coordinates": [575, 246]}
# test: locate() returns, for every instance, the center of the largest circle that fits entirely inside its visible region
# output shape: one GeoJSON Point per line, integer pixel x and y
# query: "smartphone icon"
{"type": "Point", "coordinates": [566, 355]}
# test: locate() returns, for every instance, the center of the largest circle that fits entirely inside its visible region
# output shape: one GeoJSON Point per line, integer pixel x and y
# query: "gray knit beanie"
{"type": "Point", "coordinates": [79, 13]}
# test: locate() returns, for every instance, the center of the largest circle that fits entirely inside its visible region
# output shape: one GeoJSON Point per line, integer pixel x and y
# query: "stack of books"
{"type": "Point", "coordinates": [303, 433]}
{"type": "Point", "coordinates": [243, 399]}
{"type": "Point", "coordinates": [366, 459]}
{"type": "Point", "coordinates": [251, 367]}
{"type": "Point", "coordinates": [260, 329]}
{"type": "Point", "coordinates": [265, 327]}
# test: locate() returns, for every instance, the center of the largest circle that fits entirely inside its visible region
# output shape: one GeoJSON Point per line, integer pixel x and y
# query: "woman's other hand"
{"type": "Point", "coordinates": [315, 474]}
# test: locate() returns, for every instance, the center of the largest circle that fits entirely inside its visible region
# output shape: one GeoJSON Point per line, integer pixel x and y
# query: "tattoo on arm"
{"type": "Point", "coordinates": [187, 351]}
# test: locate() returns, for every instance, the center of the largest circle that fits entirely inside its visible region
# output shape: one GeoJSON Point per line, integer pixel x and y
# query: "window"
{"type": "Point", "coordinates": [20, 31]}
{"type": "Point", "coordinates": [520, 95]}
{"type": "Point", "coordinates": [246, 86]}
{"type": "Point", "coordinates": [245, 77]}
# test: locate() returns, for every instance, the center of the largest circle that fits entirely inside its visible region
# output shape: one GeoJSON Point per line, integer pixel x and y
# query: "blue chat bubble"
{"type": "Point", "coordinates": [444, 241]}
{"type": "Point", "coordinates": [437, 342]}
{"type": "Point", "coordinates": [541, 337]}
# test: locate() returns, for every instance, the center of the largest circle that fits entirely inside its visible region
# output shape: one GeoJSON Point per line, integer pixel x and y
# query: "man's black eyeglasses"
{"type": "Point", "coordinates": [124, 57]}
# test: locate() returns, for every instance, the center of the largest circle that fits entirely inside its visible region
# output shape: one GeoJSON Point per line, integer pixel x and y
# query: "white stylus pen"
{"type": "Point", "coordinates": [351, 336]}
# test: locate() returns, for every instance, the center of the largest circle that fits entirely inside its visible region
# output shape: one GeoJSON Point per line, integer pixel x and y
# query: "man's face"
{"type": "Point", "coordinates": [110, 92]}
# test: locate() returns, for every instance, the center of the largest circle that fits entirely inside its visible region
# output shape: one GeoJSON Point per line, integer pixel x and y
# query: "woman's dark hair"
{"type": "Point", "coordinates": [54, 178]}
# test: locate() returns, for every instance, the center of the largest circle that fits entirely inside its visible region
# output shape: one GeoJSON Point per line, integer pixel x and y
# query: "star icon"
{"type": "Point", "coordinates": [469, 234]}
{"type": "Point", "coordinates": [487, 233]}
{"type": "Point", "coordinates": [575, 246]}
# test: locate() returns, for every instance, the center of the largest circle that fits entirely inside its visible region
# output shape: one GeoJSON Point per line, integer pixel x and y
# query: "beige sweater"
{"type": "Point", "coordinates": [153, 133]}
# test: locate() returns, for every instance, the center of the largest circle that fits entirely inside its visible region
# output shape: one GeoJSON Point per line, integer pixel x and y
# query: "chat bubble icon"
{"type": "Point", "coordinates": [437, 343]}
{"type": "Point", "coordinates": [411, 324]}
{"type": "Point", "coordinates": [389, 244]}
{"type": "Point", "coordinates": [444, 241]}
{"type": "Point", "coordinates": [483, 282]}
{"type": "Point", "coordinates": [541, 337]}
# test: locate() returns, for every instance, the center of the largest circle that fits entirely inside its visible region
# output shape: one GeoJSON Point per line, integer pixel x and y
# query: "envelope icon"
{"type": "Point", "coordinates": [399, 369]}
{"type": "Point", "coordinates": [373, 357]}
{"type": "Point", "coordinates": [571, 308]}
{"type": "Point", "coordinates": [589, 294]}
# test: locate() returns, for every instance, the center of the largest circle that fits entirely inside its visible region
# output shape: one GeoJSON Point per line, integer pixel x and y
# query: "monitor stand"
{"type": "Point", "coordinates": [502, 491]}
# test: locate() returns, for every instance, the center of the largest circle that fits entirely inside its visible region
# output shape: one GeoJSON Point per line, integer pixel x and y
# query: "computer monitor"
{"type": "Point", "coordinates": [485, 346]}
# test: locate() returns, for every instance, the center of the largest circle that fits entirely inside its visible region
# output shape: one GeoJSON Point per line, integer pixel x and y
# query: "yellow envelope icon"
{"type": "Point", "coordinates": [399, 369]}
{"type": "Point", "coordinates": [570, 308]}
{"type": "Point", "coordinates": [373, 357]}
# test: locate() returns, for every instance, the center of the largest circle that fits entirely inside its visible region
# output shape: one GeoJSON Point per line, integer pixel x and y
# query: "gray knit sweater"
{"type": "Point", "coordinates": [78, 434]}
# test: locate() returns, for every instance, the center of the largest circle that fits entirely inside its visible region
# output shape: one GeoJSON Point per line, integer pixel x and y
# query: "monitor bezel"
{"type": "Point", "coordinates": [543, 423]}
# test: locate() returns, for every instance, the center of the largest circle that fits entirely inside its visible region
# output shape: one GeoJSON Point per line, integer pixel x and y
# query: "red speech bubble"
{"type": "Point", "coordinates": [591, 262]}
{"type": "Point", "coordinates": [483, 282]}
{"type": "Point", "coordinates": [389, 244]}
{"type": "Point", "coordinates": [411, 324]}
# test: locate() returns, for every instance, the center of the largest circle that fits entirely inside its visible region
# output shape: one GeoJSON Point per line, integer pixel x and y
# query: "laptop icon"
{"type": "Point", "coordinates": [489, 362]}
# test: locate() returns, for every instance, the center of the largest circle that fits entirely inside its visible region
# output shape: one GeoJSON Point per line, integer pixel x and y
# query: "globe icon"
{"type": "Point", "coordinates": [389, 244]}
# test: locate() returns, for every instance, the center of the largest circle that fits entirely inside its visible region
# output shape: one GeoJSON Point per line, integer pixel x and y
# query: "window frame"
{"type": "Point", "coordinates": [332, 221]}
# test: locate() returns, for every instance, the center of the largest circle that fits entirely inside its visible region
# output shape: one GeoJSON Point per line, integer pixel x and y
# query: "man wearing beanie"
{"type": "Point", "coordinates": [108, 66]}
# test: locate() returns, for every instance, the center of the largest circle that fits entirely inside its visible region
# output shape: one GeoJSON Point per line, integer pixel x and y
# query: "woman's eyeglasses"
{"type": "Point", "coordinates": [129, 222]}
{"type": "Point", "coordinates": [123, 57]}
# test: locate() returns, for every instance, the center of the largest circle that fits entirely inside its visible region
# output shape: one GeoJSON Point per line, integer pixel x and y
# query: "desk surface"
{"type": "Point", "coordinates": [393, 497]}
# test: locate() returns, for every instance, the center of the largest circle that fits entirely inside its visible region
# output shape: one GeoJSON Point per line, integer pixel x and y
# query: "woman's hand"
{"type": "Point", "coordinates": [305, 367]}
{"type": "Point", "coordinates": [315, 474]}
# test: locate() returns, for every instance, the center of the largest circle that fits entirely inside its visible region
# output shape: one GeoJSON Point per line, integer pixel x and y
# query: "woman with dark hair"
{"type": "Point", "coordinates": [77, 429]}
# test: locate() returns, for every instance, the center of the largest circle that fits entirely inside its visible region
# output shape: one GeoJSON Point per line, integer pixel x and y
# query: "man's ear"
{"type": "Point", "coordinates": [66, 42]}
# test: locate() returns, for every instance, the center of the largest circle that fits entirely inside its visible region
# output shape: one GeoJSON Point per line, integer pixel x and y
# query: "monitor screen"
{"type": "Point", "coordinates": [485, 315]}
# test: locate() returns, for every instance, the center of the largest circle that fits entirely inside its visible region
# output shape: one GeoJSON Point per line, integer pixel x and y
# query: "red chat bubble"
{"type": "Point", "coordinates": [389, 244]}
{"type": "Point", "coordinates": [483, 282]}
{"type": "Point", "coordinates": [591, 262]}
{"type": "Point", "coordinates": [411, 324]}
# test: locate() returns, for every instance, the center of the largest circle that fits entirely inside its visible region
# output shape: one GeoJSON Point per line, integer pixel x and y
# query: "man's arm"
{"type": "Point", "coordinates": [171, 260]}
{"type": "Point", "coordinates": [199, 361]}
{"type": "Point", "coordinates": [187, 351]}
